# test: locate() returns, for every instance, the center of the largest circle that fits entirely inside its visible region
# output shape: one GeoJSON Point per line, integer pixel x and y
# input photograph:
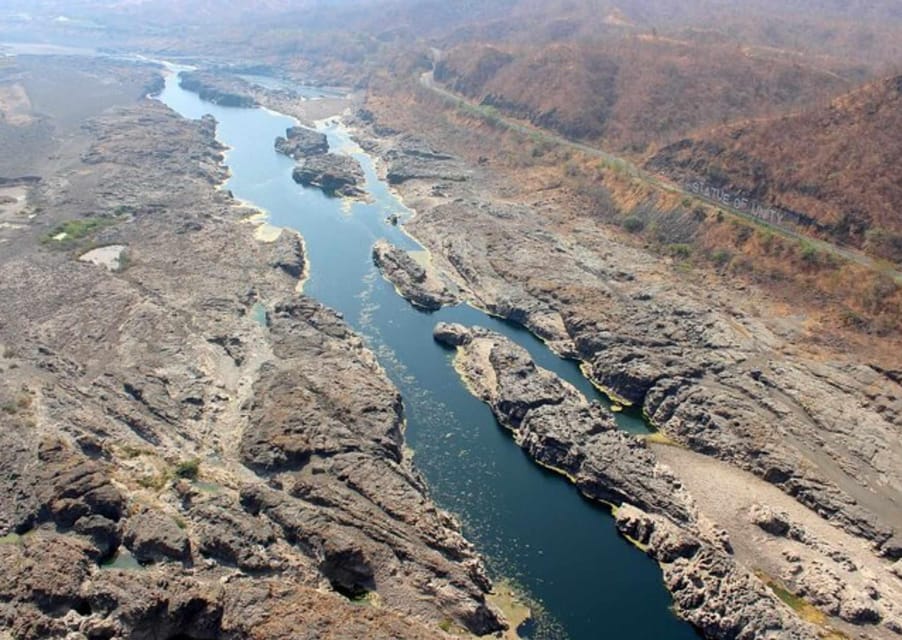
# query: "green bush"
{"type": "Point", "coordinates": [680, 250]}
{"type": "Point", "coordinates": [75, 230]}
{"type": "Point", "coordinates": [188, 469]}
{"type": "Point", "coordinates": [634, 224]}
{"type": "Point", "coordinates": [721, 257]}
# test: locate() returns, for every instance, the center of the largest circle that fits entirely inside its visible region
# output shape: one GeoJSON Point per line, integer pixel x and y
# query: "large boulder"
{"type": "Point", "coordinates": [72, 486]}
{"type": "Point", "coordinates": [336, 175]}
{"type": "Point", "coordinates": [154, 537]}
{"type": "Point", "coordinates": [451, 335]}
{"type": "Point", "coordinates": [301, 142]}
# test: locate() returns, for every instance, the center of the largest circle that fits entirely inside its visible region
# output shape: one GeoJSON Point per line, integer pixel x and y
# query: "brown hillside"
{"type": "Point", "coordinates": [838, 163]}
{"type": "Point", "coordinates": [635, 92]}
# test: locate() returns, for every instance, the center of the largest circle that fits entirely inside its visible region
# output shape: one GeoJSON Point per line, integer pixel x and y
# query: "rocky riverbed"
{"type": "Point", "coordinates": [417, 283]}
{"type": "Point", "coordinates": [563, 432]}
{"type": "Point", "coordinates": [189, 447]}
{"type": "Point", "coordinates": [713, 372]}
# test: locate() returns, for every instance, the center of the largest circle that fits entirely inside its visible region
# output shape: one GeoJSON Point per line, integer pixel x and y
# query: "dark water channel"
{"type": "Point", "coordinates": [532, 526]}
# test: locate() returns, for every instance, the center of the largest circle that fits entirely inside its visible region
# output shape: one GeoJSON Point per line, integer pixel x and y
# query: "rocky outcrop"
{"type": "Point", "coordinates": [47, 593]}
{"type": "Point", "coordinates": [452, 335]}
{"type": "Point", "coordinates": [714, 593]}
{"type": "Point", "coordinates": [289, 256]}
{"type": "Point", "coordinates": [412, 160]}
{"type": "Point", "coordinates": [70, 487]}
{"type": "Point", "coordinates": [724, 417]}
{"type": "Point", "coordinates": [559, 428]}
{"type": "Point", "coordinates": [152, 537]}
{"type": "Point", "coordinates": [226, 533]}
{"type": "Point", "coordinates": [355, 532]}
{"type": "Point", "coordinates": [208, 87]}
{"type": "Point", "coordinates": [419, 285]}
{"type": "Point", "coordinates": [301, 142]}
{"type": "Point", "coordinates": [255, 471]}
{"type": "Point", "coordinates": [562, 431]}
{"type": "Point", "coordinates": [336, 175]}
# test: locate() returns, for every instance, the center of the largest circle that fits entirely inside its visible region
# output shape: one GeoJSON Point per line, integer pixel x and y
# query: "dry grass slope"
{"type": "Point", "coordinates": [634, 92]}
{"type": "Point", "coordinates": [837, 163]}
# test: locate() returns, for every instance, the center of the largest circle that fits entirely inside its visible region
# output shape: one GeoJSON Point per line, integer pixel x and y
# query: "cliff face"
{"type": "Point", "coordinates": [189, 447]}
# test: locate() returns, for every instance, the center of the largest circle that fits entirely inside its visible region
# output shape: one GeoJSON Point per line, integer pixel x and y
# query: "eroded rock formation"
{"type": "Point", "coordinates": [334, 174]}
{"type": "Point", "coordinates": [175, 467]}
{"type": "Point", "coordinates": [417, 283]}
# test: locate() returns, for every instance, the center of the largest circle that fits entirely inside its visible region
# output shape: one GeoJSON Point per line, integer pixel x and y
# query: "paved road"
{"type": "Point", "coordinates": [852, 255]}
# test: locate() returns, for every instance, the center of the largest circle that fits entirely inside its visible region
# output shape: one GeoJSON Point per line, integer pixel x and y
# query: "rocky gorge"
{"type": "Point", "coordinates": [197, 452]}
{"type": "Point", "coordinates": [207, 453]}
{"type": "Point", "coordinates": [561, 431]}
{"type": "Point", "coordinates": [715, 376]}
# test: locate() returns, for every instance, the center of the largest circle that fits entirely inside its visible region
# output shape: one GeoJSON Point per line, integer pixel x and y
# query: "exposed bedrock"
{"type": "Point", "coordinates": [173, 467]}
{"type": "Point", "coordinates": [415, 161]}
{"type": "Point", "coordinates": [212, 88]}
{"type": "Point", "coordinates": [288, 254]}
{"type": "Point", "coordinates": [335, 174]}
{"type": "Point", "coordinates": [301, 142]}
{"type": "Point", "coordinates": [420, 285]}
{"type": "Point", "coordinates": [557, 426]}
{"type": "Point", "coordinates": [561, 430]}
{"type": "Point", "coordinates": [710, 589]}
{"type": "Point", "coordinates": [709, 373]}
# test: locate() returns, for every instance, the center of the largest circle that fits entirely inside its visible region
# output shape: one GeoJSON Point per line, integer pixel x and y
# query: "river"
{"type": "Point", "coordinates": [532, 526]}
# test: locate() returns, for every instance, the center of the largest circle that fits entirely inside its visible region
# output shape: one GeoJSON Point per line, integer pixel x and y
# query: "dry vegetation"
{"type": "Point", "coordinates": [698, 235]}
{"type": "Point", "coordinates": [635, 92]}
{"type": "Point", "coordinates": [749, 85]}
{"type": "Point", "coordinates": [748, 102]}
{"type": "Point", "coordinates": [837, 163]}
{"type": "Point", "coordinates": [848, 305]}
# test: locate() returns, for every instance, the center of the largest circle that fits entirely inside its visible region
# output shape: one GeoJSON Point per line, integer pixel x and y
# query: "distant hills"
{"type": "Point", "coordinates": [839, 162]}
{"type": "Point", "coordinates": [793, 101]}
{"type": "Point", "coordinates": [640, 90]}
